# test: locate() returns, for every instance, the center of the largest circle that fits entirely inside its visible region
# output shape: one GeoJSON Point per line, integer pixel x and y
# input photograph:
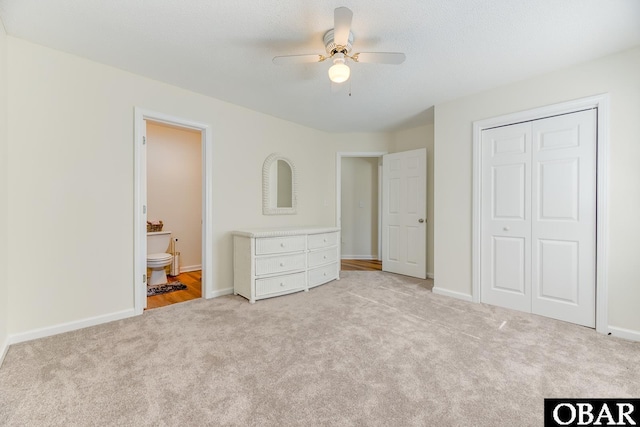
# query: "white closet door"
{"type": "Point", "coordinates": [538, 238]}
{"type": "Point", "coordinates": [506, 221]}
{"type": "Point", "coordinates": [564, 217]}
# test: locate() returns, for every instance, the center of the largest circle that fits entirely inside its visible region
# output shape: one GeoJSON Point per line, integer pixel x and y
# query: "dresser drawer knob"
{"type": "Point", "coordinates": [324, 274]}
{"type": "Point", "coordinates": [324, 240]}
{"type": "Point", "coordinates": [325, 257]}
{"type": "Point", "coordinates": [282, 245]}
{"type": "Point", "coordinates": [282, 264]}
{"type": "Point", "coordinates": [281, 283]}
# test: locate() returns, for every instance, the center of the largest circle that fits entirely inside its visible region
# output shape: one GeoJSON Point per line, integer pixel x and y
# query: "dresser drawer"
{"type": "Point", "coordinates": [323, 256]}
{"type": "Point", "coordinates": [279, 245]}
{"type": "Point", "coordinates": [277, 285]}
{"type": "Point", "coordinates": [318, 276]}
{"type": "Point", "coordinates": [280, 264]}
{"type": "Point", "coordinates": [324, 240]}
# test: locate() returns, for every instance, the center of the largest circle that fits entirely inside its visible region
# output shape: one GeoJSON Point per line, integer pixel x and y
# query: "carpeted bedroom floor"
{"type": "Point", "coordinates": [373, 349]}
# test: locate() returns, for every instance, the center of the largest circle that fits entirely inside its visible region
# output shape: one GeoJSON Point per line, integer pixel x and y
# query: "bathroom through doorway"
{"type": "Point", "coordinates": [172, 184]}
{"type": "Point", "coordinates": [174, 204]}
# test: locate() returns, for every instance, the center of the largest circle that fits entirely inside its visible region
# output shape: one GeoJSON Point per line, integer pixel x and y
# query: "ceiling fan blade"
{"type": "Point", "coordinates": [298, 59]}
{"type": "Point", "coordinates": [380, 57]}
{"type": "Point", "coordinates": [342, 18]}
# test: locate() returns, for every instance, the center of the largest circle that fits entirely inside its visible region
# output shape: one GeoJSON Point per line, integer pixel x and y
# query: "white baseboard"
{"type": "Point", "coordinates": [219, 293]}
{"type": "Point", "coordinates": [69, 326]}
{"type": "Point", "coordinates": [627, 334]}
{"type": "Point", "coordinates": [453, 294]}
{"type": "Point", "coordinates": [3, 350]}
{"type": "Point", "coordinates": [365, 257]}
{"type": "Point", "coordinates": [430, 276]}
{"type": "Point", "coordinates": [189, 268]}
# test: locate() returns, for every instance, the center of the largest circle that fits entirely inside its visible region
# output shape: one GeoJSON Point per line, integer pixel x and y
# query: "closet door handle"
{"type": "Point", "coordinates": [421, 220]}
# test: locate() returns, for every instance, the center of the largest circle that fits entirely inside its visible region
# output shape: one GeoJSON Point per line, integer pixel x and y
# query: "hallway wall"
{"type": "Point", "coordinates": [359, 205]}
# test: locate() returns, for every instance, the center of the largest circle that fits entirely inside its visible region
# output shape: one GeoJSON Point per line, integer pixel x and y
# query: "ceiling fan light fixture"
{"type": "Point", "coordinates": [339, 71]}
{"type": "Point", "coordinates": [338, 44]}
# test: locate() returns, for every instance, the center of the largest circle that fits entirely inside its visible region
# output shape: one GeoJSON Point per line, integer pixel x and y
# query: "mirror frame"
{"type": "Point", "coordinates": [268, 187]}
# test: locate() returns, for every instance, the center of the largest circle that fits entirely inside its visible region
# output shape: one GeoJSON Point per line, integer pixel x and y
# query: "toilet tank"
{"type": "Point", "coordinates": [158, 242]}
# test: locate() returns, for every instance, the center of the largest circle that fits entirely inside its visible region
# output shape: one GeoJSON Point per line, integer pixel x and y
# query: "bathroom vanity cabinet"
{"type": "Point", "coordinates": [273, 262]}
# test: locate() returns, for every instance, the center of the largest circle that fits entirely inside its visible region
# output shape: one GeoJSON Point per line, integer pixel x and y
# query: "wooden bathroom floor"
{"type": "Point", "coordinates": [193, 280]}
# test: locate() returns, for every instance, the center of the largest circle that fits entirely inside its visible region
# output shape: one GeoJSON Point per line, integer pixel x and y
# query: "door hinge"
{"type": "Point", "coordinates": [144, 140]}
{"type": "Point", "coordinates": [144, 278]}
{"type": "Point", "coordinates": [144, 209]}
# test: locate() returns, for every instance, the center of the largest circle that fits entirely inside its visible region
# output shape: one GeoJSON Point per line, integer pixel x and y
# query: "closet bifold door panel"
{"type": "Point", "coordinates": [538, 213]}
{"type": "Point", "coordinates": [564, 217]}
{"type": "Point", "coordinates": [505, 254]}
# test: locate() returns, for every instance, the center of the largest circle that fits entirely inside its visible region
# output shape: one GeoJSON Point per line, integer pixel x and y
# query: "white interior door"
{"type": "Point", "coordinates": [564, 217]}
{"type": "Point", "coordinates": [538, 217]}
{"type": "Point", "coordinates": [404, 209]}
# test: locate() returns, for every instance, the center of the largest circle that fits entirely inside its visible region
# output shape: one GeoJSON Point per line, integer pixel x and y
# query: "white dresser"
{"type": "Point", "coordinates": [278, 261]}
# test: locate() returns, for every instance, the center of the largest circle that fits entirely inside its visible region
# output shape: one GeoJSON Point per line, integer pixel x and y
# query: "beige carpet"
{"type": "Point", "coordinates": [371, 349]}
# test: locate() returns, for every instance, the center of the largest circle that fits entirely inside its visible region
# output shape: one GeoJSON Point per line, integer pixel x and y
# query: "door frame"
{"type": "Point", "coordinates": [139, 208]}
{"type": "Point", "coordinates": [602, 103]}
{"type": "Point", "coordinates": [339, 156]}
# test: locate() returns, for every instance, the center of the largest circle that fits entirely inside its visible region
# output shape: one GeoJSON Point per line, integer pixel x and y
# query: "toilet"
{"type": "Point", "coordinates": [157, 257]}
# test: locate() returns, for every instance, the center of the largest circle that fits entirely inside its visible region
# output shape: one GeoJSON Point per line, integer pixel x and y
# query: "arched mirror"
{"type": "Point", "coordinates": [278, 186]}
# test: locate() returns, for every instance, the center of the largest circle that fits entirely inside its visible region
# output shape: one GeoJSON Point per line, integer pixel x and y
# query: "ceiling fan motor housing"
{"type": "Point", "coordinates": [332, 48]}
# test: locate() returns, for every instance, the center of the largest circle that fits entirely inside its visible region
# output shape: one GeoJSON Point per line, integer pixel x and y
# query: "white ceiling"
{"type": "Point", "coordinates": [223, 48]}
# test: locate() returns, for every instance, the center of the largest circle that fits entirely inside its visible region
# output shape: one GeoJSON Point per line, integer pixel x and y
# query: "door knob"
{"type": "Point", "coordinates": [421, 220]}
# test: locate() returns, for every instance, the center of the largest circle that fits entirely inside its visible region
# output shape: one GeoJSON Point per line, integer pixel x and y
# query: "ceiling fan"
{"type": "Point", "coordinates": [338, 43]}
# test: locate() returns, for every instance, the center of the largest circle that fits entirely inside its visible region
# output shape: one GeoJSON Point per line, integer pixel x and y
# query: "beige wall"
{"type": "Point", "coordinates": [359, 206]}
{"type": "Point", "coordinates": [412, 139]}
{"type": "Point", "coordinates": [71, 180]}
{"type": "Point", "coordinates": [4, 290]}
{"type": "Point", "coordinates": [174, 188]}
{"type": "Point", "coordinates": [617, 75]}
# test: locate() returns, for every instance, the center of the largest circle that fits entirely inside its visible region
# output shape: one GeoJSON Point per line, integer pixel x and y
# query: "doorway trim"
{"type": "Point", "coordinates": [339, 156]}
{"type": "Point", "coordinates": [601, 102]}
{"type": "Point", "coordinates": [139, 208]}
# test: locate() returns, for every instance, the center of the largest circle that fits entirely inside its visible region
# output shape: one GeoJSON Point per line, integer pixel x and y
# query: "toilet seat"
{"type": "Point", "coordinates": [159, 257]}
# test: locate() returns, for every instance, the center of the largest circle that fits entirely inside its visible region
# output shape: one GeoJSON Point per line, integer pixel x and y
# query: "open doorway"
{"type": "Point", "coordinates": [200, 263]}
{"type": "Point", "coordinates": [358, 209]}
{"type": "Point", "coordinates": [174, 211]}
